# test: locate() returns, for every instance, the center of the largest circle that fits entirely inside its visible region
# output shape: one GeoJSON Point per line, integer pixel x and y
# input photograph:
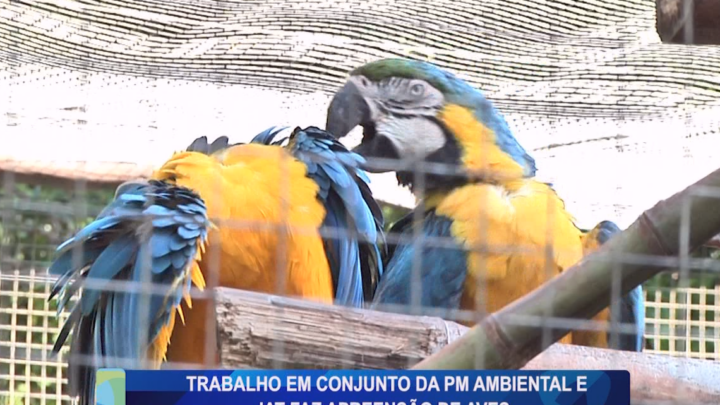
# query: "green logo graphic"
{"type": "Point", "coordinates": [110, 386]}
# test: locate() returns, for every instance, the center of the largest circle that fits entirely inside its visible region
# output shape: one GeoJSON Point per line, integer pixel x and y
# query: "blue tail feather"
{"type": "Point", "coordinates": [107, 265]}
{"type": "Point", "coordinates": [105, 323]}
{"type": "Point", "coordinates": [355, 258]}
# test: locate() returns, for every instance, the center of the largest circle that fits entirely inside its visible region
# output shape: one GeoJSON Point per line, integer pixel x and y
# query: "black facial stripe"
{"type": "Point", "coordinates": [382, 106]}
{"type": "Point", "coordinates": [450, 153]}
{"type": "Point", "coordinates": [392, 82]}
{"type": "Point", "coordinates": [437, 121]}
{"type": "Point", "coordinates": [404, 115]}
{"type": "Point", "coordinates": [394, 104]}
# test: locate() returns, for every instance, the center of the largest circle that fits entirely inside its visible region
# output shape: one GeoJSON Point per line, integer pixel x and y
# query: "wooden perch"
{"type": "Point", "coordinates": [264, 331]}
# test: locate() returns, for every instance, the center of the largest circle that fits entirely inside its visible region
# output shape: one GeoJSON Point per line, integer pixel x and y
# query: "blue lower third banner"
{"type": "Point", "coordinates": [397, 387]}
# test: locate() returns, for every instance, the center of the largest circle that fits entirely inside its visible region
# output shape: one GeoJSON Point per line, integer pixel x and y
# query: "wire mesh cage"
{"type": "Point", "coordinates": [157, 75]}
{"type": "Point", "coordinates": [29, 326]}
{"type": "Point", "coordinates": [679, 321]}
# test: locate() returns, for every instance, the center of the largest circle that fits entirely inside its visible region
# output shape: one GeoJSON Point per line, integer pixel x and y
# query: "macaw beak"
{"type": "Point", "coordinates": [347, 110]}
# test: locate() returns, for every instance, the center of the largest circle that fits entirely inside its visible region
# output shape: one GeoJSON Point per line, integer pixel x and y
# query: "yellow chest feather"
{"type": "Point", "coordinates": [267, 217]}
{"type": "Point", "coordinates": [507, 230]}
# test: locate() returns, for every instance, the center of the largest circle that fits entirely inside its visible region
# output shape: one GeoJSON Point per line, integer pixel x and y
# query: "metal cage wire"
{"type": "Point", "coordinates": [681, 321]}
{"type": "Point", "coordinates": [682, 313]}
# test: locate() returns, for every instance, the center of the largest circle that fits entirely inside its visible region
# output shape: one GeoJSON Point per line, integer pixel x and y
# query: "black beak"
{"type": "Point", "coordinates": [347, 110]}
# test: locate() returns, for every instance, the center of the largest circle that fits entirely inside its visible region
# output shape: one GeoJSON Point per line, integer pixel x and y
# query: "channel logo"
{"type": "Point", "coordinates": [110, 386]}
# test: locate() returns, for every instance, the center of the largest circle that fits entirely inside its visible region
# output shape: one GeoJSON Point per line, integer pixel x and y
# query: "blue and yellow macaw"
{"type": "Point", "coordinates": [160, 230]}
{"type": "Point", "coordinates": [418, 113]}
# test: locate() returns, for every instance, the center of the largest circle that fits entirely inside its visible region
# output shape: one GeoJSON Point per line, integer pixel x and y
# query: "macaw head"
{"type": "Point", "coordinates": [414, 111]}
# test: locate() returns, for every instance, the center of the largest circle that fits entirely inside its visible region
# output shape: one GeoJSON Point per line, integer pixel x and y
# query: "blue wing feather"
{"type": "Point", "coordinates": [355, 255]}
{"type": "Point", "coordinates": [105, 268]}
{"type": "Point", "coordinates": [157, 221]}
{"type": "Point", "coordinates": [349, 289]}
{"type": "Point", "coordinates": [267, 136]}
{"type": "Point", "coordinates": [64, 264]}
{"type": "Point", "coordinates": [442, 269]}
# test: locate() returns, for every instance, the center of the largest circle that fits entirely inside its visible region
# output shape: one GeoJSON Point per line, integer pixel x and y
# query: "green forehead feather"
{"type": "Point", "coordinates": [455, 89]}
{"type": "Point", "coordinates": [406, 68]}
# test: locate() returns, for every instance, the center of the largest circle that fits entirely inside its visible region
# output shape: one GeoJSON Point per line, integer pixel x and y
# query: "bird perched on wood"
{"type": "Point", "coordinates": [242, 201]}
{"type": "Point", "coordinates": [422, 115]}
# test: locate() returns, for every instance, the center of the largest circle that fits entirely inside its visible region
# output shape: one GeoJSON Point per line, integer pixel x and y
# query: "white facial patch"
{"type": "Point", "coordinates": [414, 138]}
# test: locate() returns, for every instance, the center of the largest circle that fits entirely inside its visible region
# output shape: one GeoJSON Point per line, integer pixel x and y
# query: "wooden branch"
{"type": "Point", "coordinates": [264, 331]}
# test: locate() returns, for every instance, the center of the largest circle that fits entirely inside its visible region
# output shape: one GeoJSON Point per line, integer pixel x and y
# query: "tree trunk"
{"type": "Point", "coordinates": [688, 21]}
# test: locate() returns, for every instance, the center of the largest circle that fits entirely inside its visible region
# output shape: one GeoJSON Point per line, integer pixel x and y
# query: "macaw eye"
{"type": "Point", "coordinates": [417, 89]}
